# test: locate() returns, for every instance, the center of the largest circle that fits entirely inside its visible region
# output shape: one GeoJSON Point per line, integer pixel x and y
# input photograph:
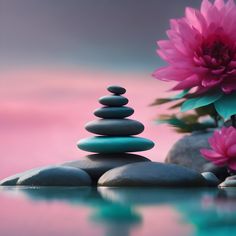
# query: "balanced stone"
{"type": "Point", "coordinates": [56, 176]}
{"type": "Point", "coordinates": [97, 164]}
{"type": "Point", "coordinates": [152, 174]}
{"type": "Point", "coordinates": [115, 127]}
{"type": "Point", "coordinates": [113, 101]}
{"type": "Point", "coordinates": [116, 90]}
{"type": "Point", "coordinates": [114, 112]}
{"type": "Point", "coordinates": [106, 144]}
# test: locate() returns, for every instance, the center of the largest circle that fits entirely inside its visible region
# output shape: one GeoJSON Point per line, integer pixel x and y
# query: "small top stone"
{"type": "Point", "coordinates": [116, 89]}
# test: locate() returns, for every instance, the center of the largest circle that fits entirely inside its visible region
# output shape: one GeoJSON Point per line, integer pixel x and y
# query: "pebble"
{"type": "Point", "coordinates": [114, 112]}
{"type": "Point", "coordinates": [113, 101]}
{"type": "Point", "coordinates": [211, 179]}
{"type": "Point", "coordinates": [55, 176]}
{"type": "Point", "coordinates": [116, 89]}
{"type": "Point", "coordinates": [115, 127]}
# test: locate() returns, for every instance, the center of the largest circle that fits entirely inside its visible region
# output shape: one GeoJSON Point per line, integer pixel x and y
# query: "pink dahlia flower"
{"type": "Point", "coordinates": [223, 144]}
{"type": "Point", "coordinates": [201, 48]}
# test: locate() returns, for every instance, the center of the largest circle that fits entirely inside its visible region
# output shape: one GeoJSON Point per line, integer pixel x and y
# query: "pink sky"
{"type": "Point", "coordinates": [43, 113]}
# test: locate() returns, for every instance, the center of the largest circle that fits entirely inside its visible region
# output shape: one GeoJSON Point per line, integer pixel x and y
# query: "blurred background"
{"type": "Point", "coordinates": [56, 59]}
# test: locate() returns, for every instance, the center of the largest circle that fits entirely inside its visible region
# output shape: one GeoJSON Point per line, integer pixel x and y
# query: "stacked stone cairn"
{"type": "Point", "coordinates": [115, 132]}
{"type": "Point", "coordinates": [113, 165]}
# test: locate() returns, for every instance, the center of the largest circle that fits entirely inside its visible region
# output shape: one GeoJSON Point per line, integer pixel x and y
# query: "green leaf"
{"type": "Point", "coordinates": [180, 95]}
{"type": "Point", "coordinates": [226, 105]}
{"type": "Point", "coordinates": [197, 102]}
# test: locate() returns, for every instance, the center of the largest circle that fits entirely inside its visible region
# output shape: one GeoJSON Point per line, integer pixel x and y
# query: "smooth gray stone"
{"type": "Point", "coordinates": [115, 127]}
{"type": "Point", "coordinates": [56, 176]}
{"type": "Point", "coordinates": [152, 174]}
{"type": "Point", "coordinates": [186, 151]}
{"type": "Point", "coordinates": [113, 101]}
{"type": "Point", "coordinates": [221, 172]}
{"type": "Point", "coordinates": [12, 180]}
{"type": "Point", "coordinates": [211, 179]}
{"type": "Point", "coordinates": [116, 89]}
{"type": "Point", "coordinates": [114, 112]}
{"type": "Point", "coordinates": [229, 182]}
{"type": "Point", "coordinates": [96, 165]}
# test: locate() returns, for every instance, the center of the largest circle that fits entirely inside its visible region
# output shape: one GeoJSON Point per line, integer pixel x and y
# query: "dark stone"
{"type": "Point", "coordinates": [116, 89]}
{"type": "Point", "coordinates": [229, 182]}
{"type": "Point", "coordinates": [55, 176]}
{"type": "Point", "coordinates": [96, 165]}
{"type": "Point", "coordinates": [115, 127]}
{"type": "Point", "coordinates": [186, 151]}
{"type": "Point", "coordinates": [113, 101]}
{"type": "Point", "coordinates": [221, 172]}
{"type": "Point", "coordinates": [211, 179]}
{"type": "Point", "coordinates": [114, 112]}
{"type": "Point", "coordinates": [152, 174]}
{"type": "Point", "coordinates": [108, 144]}
{"type": "Point", "coordinates": [12, 180]}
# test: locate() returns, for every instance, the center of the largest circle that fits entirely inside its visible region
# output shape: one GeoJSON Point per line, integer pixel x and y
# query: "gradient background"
{"type": "Point", "coordinates": [56, 59]}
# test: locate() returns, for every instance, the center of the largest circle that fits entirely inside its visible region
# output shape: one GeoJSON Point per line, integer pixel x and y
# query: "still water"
{"type": "Point", "coordinates": [117, 211]}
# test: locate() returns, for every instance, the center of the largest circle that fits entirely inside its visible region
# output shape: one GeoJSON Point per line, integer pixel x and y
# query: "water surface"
{"type": "Point", "coordinates": [117, 211]}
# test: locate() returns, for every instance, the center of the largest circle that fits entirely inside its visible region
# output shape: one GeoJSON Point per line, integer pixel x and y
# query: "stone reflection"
{"type": "Point", "coordinates": [210, 211]}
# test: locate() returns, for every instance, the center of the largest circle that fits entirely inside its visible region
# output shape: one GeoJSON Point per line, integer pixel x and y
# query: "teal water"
{"type": "Point", "coordinates": [117, 211]}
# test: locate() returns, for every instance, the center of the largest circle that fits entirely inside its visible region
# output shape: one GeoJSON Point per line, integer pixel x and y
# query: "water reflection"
{"type": "Point", "coordinates": [121, 210]}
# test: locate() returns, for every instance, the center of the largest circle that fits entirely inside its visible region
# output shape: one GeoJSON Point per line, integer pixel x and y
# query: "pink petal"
{"type": "Point", "coordinates": [210, 154]}
{"type": "Point", "coordinates": [219, 4]}
{"type": "Point", "coordinates": [189, 82]}
{"type": "Point", "coordinates": [232, 164]}
{"type": "Point", "coordinates": [195, 19]}
{"type": "Point", "coordinates": [231, 151]}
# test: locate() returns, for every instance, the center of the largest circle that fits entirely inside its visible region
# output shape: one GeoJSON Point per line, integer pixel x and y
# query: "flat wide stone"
{"type": "Point", "coordinates": [113, 101]}
{"type": "Point", "coordinates": [106, 144]}
{"type": "Point", "coordinates": [56, 176]}
{"type": "Point", "coordinates": [152, 174]}
{"type": "Point", "coordinates": [114, 112]}
{"type": "Point", "coordinates": [115, 127]}
{"type": "Point", "coordinates": [97, 164]}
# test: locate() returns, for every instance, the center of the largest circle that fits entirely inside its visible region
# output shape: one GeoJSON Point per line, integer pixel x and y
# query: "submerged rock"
{"type": "Point", "coordinates": [152, 174]}
{"type": "Point", "coordinates": [55, 176]}
{"type": "Point", "coordinates": [186, 151]}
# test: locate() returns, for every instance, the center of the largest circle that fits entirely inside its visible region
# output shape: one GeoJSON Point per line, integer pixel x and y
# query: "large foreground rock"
{"type": "Point", "coordinates": [186, 151]}
{"type": "Point", "coordinates": [152, 174]}
{"type": "Point", "coordinates": [55, 176]}
{"type": "Point", "coordinates": [96, 165]}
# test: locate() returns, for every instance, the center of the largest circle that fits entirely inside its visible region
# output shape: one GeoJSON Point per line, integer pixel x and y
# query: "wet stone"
{"type": "Point", "coordinates": [115, 127]}
{"type": "Point", "coordinates": [107, 144]}
{"type": "Point", "coordinates": [113, 101]}
{"type": "Point", "coordinates": [114, 112]}
{"type": "Point", "coordinates": [116, 89]}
